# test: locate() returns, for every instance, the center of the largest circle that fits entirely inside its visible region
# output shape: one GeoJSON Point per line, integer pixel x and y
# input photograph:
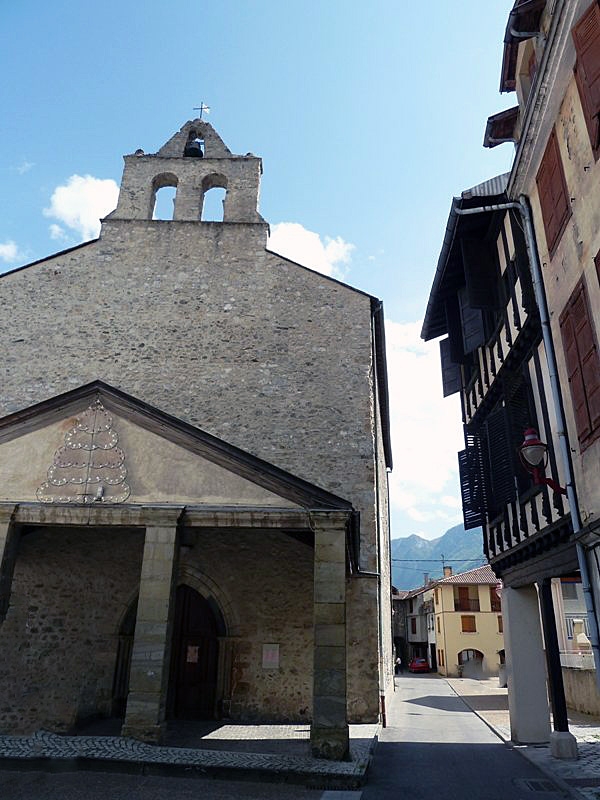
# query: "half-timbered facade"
{"type": "Point", "coordinates": [536, 365]}
{"type": "Point", "coordinates": [483, 302]}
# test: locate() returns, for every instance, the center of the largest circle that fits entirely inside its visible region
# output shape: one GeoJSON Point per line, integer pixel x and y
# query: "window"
{"type": "Point", "coordinates": [437, 596]}
{"type": "Point", "coordinates": [467, 624]}
{"type": "Point", "coordinates": [439, 625]}
{"type": "Point", "coordinates": [466, 598]}
{"type": "Point", "coordinates": [583, 364]}
{"type": "Point", "coordinates": [586, 36]}
{"type": "Point", "coordinates": [413, 625]}
{"type": "Point", "coordinates": [500, 624]}
{"type": "Point", "coordinates": [553, 195]}
{"type": "Point", "coordinates": [441, 658]}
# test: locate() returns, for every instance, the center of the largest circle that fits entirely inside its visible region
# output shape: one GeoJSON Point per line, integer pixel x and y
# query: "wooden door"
{"type": "Point", "coordinates": [194, 659]}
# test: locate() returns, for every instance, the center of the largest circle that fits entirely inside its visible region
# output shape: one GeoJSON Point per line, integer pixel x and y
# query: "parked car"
{"type": "Point", "coordinates": [418, 665]}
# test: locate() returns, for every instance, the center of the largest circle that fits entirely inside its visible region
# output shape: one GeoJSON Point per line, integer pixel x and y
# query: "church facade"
{"type": "Point", "coordinates": [194, 447]}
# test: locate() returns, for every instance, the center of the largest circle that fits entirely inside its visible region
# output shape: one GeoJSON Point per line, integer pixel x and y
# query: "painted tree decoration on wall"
{"type": "Point", "coordinates": [89, 467]}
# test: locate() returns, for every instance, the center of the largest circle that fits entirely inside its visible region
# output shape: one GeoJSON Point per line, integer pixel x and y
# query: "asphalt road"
{"type": "Point", "coordinates": [435, 747]}
{"type": "Point", "coordinates": [110, 786]}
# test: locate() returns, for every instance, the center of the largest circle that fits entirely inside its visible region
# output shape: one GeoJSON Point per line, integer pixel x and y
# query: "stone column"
{"type": "Point", "coordinates": [329, 729]}
{"type": "Point", "coordinates": [9, 541]}
{"type": "Point", "coordinates": [525, 666]}
{"type": "Point", "coordinates": [148, 682]}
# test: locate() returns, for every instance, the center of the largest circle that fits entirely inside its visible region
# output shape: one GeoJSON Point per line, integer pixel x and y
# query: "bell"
{"type": "Point", "coordinates": [193, 150]}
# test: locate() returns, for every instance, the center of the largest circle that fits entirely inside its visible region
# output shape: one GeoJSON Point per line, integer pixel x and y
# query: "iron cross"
{"type": "Point", "coordinates": [202, 108]}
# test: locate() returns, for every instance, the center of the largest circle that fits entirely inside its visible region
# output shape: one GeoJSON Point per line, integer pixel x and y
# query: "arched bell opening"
{"type": "Point", "coordinates": [194, 146]}
{"type": "Point", "coordinates": [164, 192]}
{"type": "Point", "coordinates": [214, 197]}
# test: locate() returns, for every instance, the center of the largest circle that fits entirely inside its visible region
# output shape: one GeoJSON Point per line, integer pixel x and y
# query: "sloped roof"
{"type": "Point", "coordinates": [449, 275]}
{"type": "Point", "coordinates": [479, 575]}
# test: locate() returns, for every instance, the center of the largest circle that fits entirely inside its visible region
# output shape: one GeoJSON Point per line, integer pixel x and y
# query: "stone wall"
{"type": "Point", "coordinates": [265, 591]}
{"type": "Point", "coordinates": [201, 321]}
{"type": "Point", "coordinates": [581, 692]}
{"type": "Point", "coordinates": [70, 591]}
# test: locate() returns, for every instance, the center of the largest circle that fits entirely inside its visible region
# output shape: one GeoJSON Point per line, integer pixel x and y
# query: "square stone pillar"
{"type": "Point", "coordinates": [149, 676]}
{"type": "Point", "coordinates": [9, 541]}
{"type": "Point", "coordinates": [525, 666]}
{"type": "Point", "coordinates": [329, 730]}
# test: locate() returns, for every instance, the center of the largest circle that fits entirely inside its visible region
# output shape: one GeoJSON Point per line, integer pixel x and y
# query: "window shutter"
{"type": "Point", "coordinates": [520, 418]}
{"type": "Point", "coordinates": [451, 379]}
{"type": "Point", "coordinates": [481, 274]}
{"type": "Point", "coordinates": [501, 469]}
{"type": "Point", "coordinates": [472, 485]}
{"type": "Point", "coordinates": [473, 330]}
{"type": "Point", "coordinates": [552, 191]}
{"type": "Point", "coordinates": [583, 363]}
{"type": "Point", "coordinates": [586, 36]}
{"type": "Point", "coordinates": [457, 353]}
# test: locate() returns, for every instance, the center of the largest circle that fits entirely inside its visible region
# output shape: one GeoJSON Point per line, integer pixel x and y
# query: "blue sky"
{"type": "Point", "coordinates": [368, 117]}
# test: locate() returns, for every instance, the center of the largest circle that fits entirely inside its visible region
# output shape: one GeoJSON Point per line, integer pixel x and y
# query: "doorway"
{"type": "Point", "coordinates": [194, 657]}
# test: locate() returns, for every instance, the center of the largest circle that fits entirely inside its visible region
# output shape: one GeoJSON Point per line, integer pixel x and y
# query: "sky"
{"type": "Point", "coordinates": [369, 117]}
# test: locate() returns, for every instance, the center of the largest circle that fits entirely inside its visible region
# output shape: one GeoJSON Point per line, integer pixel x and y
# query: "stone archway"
{"type": "Point", "coordinates": [470, 663]}
{"type": "Point", "coordinates": [193, 674]}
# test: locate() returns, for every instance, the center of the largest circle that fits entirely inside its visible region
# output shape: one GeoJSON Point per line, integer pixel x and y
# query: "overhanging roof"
{"type": "Point", "coordinates": [501, 127]}
{"type": "Point", "coordinates": [449, 275]}
{"type": "Point", "coordinates": [523, 23]}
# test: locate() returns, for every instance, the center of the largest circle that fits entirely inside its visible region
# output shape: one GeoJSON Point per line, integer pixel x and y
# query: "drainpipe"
{"type": "Point", "coordinates": [522, 206]}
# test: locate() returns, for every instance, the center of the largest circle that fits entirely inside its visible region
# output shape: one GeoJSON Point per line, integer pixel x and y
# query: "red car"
{"type": "Point", "coordinates": [418, 665]}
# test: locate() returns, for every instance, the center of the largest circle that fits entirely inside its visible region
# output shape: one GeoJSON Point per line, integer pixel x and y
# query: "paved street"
{"type": "Point", "coordinates": [102, 786]}
{"type": "Point", "coordinates": [435, 746]}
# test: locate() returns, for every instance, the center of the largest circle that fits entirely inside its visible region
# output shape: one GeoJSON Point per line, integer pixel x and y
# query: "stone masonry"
{"type": "Point", "coordinates": [201, 321]}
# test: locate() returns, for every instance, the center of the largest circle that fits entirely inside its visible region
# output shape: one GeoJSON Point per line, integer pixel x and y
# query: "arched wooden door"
{"type": "Point", "coordinates": [194, 658]}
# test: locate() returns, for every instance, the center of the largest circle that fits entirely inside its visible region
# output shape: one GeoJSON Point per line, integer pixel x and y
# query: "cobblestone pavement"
{"type": "Point", "coordinates": [276, 749]}
{"type": "Point", "coordinates": [581, 777]}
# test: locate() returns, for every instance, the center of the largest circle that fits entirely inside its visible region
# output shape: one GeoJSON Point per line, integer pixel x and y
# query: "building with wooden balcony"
{"type": "Point", "coordinates": [468, 624]}
{"type": "Point", "coordinates": [516, 295]}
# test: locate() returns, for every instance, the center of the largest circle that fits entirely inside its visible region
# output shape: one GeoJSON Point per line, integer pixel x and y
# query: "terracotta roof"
{"type": "Point", "coordinates": [480, 575]}
{"type": "Point", "coordinates": [400, 594]}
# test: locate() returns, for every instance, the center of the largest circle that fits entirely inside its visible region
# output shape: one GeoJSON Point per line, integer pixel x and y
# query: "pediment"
{"type": "Point", "coordinates": [98, 445]}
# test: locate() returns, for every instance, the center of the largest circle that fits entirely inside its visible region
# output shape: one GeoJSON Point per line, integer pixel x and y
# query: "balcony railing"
{"type": "Point", "coordinates": [466, 605]}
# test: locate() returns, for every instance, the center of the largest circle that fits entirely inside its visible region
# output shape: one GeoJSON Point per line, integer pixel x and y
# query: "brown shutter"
{"type": "Point", "coordinates": [552, 190]}
{"type": "Point", "coordinates": [583, 363]}
{"type": "Point", "coordinates": [588, 356]}
{"type": "Point", "coordinates": [586, 35]}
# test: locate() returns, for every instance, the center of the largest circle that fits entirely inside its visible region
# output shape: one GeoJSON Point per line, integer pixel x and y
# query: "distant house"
{"type": "Point", "coordinates": [468, 623]}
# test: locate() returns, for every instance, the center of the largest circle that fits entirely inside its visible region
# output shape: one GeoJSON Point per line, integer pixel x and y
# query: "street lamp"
{"type": "Point", "coordinates": [533, 454]}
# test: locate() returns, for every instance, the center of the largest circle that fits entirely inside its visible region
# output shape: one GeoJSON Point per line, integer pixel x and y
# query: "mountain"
{"type": "Point", "coordinates": [413, 556]}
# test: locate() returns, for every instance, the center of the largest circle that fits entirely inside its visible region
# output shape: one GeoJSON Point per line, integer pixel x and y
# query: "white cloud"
{"type": "Point", "coordinates": [9, 251]}
{"type": "Point", "coordinates": [56, 232]}
{"type": "Point", "coordinates": [294, 241]}
{"type": "Point", "coordinates": [80, 203]}
{"type": "Point", "coordinates": [426, 429]}
{"type": "Point", "coordinates": [24, 167]}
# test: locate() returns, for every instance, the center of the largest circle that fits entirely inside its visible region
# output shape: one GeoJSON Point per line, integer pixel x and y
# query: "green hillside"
{"type": "Point", "coordinates": [413, 556]}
